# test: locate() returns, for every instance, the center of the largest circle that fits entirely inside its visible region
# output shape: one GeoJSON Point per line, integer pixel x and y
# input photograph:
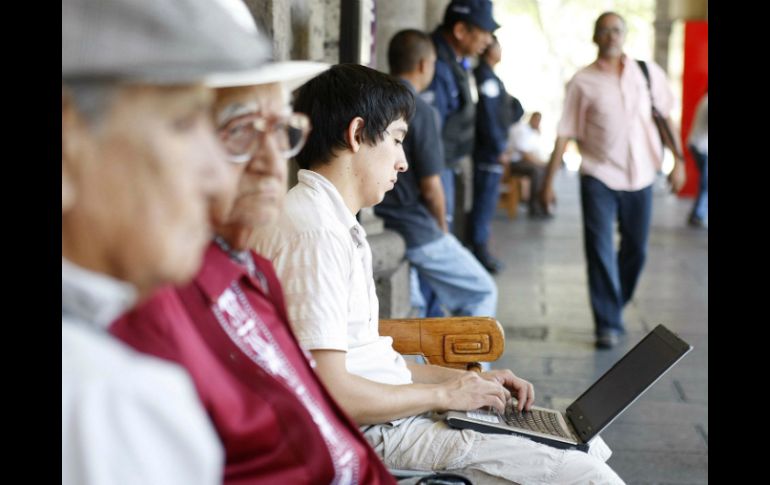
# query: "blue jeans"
{"type": "Point", "coordinates": [486, 188]}
{"type": "Point", "coordinates": [422, 297]}
{"type": "Point", "coordinates": [701, 208]}
{"type": "Point", "coordinates": [612, 277]}
{"type": "Point", "coordinates": [459, 281]}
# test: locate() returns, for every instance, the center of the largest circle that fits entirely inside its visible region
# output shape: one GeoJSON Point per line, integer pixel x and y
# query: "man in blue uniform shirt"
{"type": "Point", "coordinates": [466, 31]}
{"type": "Point", "coordinates": [496, 112]}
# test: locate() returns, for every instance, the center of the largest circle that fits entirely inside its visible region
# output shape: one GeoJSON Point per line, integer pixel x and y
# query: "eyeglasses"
{"type": "Point", "coordinates": [602, 31]}
{"type": "Point", "coordinates": [245, 135]}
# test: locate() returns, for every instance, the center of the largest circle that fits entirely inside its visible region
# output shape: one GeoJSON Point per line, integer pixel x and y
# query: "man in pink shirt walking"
{"type": "Point", "coordinates": [607, 110]}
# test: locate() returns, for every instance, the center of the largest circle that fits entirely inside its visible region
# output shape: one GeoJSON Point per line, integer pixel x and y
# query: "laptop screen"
{"type": "Point", "coordinates": [626, 381]}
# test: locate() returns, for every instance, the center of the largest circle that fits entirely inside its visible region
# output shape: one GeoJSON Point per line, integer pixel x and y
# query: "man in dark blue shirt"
{"type": "Point", "coordinates": [466, 31]}
{"type": "Point", "coordinates": [415, 207]}
{"type": "Point", "coordinates": [496, 112]}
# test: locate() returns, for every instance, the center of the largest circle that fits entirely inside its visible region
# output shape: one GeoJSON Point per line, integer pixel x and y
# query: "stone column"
{"type": "Point", "coordinates": [274, 20]}
{"type": "Point", "coordinates": [299, 29]}
{"type": "Point", "coordinates": [390, 268]}
{"type": "Point", "coordinates": [662, 26]}
{"type": "Point", "coordinates": [331, 44]}
{"type": "Point", "coordinates": [434, 13]}
{"type": "Point", "coordinates": [308, 29]}
{"type": "Point", "coordinates": [393, 16]}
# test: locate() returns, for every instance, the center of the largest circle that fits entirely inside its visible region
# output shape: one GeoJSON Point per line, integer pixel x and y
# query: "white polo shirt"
{"type": "Point", "coordinates": [324, 263]}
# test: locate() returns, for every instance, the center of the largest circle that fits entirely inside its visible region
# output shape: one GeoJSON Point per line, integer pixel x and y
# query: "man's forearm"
{"type": "Point", "coordinates": [438, 210]}
{"type": "Point", "coordinates": [432, 374]}
{"type": "Point", "coordinates": [432, 193]}
{"type": "Point", "coordinates": [556, 156]}
{"type": "Point", "coordinates": [370, 402]}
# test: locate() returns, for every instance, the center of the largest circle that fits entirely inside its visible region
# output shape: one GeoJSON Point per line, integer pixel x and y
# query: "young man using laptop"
{"type": "Point", "coordinates": [352, 157]}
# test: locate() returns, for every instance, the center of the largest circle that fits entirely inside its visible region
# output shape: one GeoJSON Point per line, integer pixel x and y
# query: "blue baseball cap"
{"type": "Point", "coordinates": [476, 12]}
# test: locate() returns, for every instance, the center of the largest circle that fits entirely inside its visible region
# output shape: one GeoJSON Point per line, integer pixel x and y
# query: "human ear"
{"type": "Point", "coordinates": [353, 134]}
{"type": "Point", "coordinates": [459, 30]}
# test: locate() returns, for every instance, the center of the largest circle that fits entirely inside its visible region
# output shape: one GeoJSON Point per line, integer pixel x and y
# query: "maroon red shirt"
{"type": "Point", "coordinates": [277, 422]}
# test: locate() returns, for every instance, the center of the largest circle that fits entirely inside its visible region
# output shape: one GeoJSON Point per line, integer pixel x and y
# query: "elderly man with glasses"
{"type": "Point", "coordinates": [229, 328]}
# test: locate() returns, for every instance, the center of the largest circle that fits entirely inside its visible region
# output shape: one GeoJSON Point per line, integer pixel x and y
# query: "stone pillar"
{"type": "Point", "coordinates": [688, 10]}
{"type": "Point", "coordinates": [662, 26]}
{"type": "Point", "coordinates": [299, 29]}
{"type": "Point", "coordinates": [274, 20]}
{"type": "Point", "coordinates": [390, 268]}
{"type": "Point", "coordinates": [331, 44]}
{"type": "Point", "coordinates": [393, 16]}
{"type": "Point", "coordinates": [434, 13]}
{"type": "Point", "coordinates": [307, 27]}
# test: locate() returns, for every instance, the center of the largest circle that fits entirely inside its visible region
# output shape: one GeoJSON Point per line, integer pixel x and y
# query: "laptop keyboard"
{"type": "Point", "coordinates": [534, 420]}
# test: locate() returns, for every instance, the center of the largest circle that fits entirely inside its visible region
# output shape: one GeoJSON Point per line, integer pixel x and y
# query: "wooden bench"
{"type": "Point", "coordinates": [514, 188]}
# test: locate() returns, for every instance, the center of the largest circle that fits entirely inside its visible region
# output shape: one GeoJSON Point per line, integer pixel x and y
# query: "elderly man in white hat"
{"type": "Point", "coordinates": [140, 167]}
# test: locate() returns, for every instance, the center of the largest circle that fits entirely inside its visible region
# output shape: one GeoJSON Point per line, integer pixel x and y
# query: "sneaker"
{"type": "Point", "coordinates": [697, 222]}
{"type": "Point", "coordinates": [607, 341]}
{"type": "Point", "coordinates": [492, 264]}
{"type": "Point", "coordinates": [538, 211]}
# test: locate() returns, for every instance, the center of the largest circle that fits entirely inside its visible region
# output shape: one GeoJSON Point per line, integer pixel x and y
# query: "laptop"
{"type": "Point", "coordinates": [596, 408]}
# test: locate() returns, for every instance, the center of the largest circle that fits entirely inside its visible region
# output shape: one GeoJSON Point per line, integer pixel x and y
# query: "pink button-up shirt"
{"type": "Point", "coordinates": [611, 119]}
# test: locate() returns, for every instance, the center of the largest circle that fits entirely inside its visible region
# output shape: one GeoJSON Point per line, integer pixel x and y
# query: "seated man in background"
{"type": "Point", "coordinates": [415, 207]}
{"type": "Point", "coordinates": [140, 165]}
{"type": "Point", "coordinates": [525, 159]}
{"type": "Point", "coordinates": [228, 326]}
{"type": "Point", "coordinates": [321, 254]}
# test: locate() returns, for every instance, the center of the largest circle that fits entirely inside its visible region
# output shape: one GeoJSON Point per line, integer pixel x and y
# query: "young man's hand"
{"type": "Point", "coordinates": [523, 389]}
{"type": "Point", "coordinates": [472, 391]}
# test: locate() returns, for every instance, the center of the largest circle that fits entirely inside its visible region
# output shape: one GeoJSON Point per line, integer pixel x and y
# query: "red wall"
{"type": "Point", "coordinates": [694, 83]}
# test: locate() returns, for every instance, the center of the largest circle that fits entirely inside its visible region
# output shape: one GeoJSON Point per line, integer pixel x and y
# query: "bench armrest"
{"type": "Point", "coordinates": [457, 342]}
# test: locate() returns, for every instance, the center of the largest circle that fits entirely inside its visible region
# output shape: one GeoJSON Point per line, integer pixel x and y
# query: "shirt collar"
{"type": "Point", "coordinates": [605, 66]}
{"type": "Point", "coordinates": [408, 85]}
{"type": "Point", "coordinates": [321, 184]}
{"type": "Point", "coordinates": [94, 297]}
{"type": "Point", "coordinates": [219, 271]}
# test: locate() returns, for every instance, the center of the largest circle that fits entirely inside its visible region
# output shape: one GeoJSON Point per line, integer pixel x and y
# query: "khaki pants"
{"type": "Point", "coordinates": [425, 442]}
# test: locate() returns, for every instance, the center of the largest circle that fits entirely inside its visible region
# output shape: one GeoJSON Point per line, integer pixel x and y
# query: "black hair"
{"type": "Point", "coordinates": [332, 99]}
{"type": "Point", "coordinates": [406, 49]}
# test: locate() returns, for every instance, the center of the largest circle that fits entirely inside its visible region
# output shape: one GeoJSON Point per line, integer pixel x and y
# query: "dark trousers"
{"type": "Point", "coordinates": [486, 188]}
{"type": "Point", "coordinates": [700, 209]}
{"type": "Point", "coordinates": [536, 174]}
{"type": "Point", "coordinates": [612, 277]}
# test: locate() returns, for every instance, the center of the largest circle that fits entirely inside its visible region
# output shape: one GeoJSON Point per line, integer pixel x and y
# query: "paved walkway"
{"type": "Point", "coordinates": [663, 437]}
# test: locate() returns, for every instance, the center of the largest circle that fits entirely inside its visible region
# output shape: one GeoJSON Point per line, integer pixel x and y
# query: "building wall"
{"type": "Point", "coordinates": [393, 16]}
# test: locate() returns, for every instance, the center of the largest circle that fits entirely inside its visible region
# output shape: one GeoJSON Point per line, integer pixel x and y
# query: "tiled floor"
{"type": "Point", "coordinates": [663, 437]}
